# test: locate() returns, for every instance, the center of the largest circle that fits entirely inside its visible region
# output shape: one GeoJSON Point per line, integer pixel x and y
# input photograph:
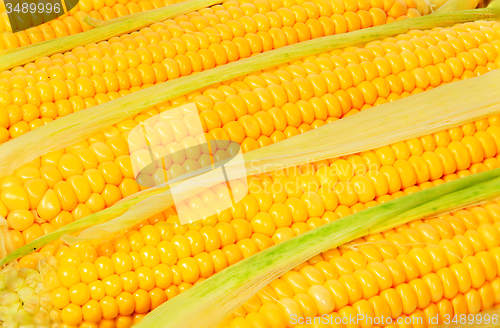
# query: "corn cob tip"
{"type": "Point", "coordinates": [25, 290]}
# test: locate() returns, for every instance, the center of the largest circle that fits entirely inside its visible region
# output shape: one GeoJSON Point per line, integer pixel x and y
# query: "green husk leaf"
{"type": "Point", "coordinates": [495, 4]}
{"type": "Point", "coordinates": [457, 5]}
{"type": "Point", "coordinates": [425, 7]}
{"type": "Point", "coordinates": [78, 126]}
{"type": "Point", "coordinates": [92, 21]}
{"type": "Point", "coordinates": [229, 289]}
{"type": "Point", "coordinates": [118, 26]}
{"type": "Point", "coordinates": [458, 103]}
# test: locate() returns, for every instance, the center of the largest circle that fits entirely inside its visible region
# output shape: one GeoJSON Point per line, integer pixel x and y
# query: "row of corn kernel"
{"type": "Point", "coordinates": [72, 22]}
{"type": "Point", "coordinates": [360, 14]}
{"type": "Point", "coordinates": [117, 10]}
{"type": "Point", "coordinates": [264, 97]}
{"type": "Point", "coordinates": [438, 267]}
{"type": "Point", "coordinates": [359, 79]}
{"type": "Point", "coordinates": [360, 178]}
{"type": "Point", "coordinates": [363, 177]}
{"type": "Point", "coordinates": [354, 182]}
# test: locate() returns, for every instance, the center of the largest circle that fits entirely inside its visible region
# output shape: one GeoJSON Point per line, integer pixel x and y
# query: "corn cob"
{"type": "Point", "coordinates": [114, 282]}
{"type": "Point", "coordinates": [100, 174]}
{"type": "Point", "coordinates": [298, 97]}
{"type": "Point", "coordinates": [73, 21]}
{"type": "Point", "coordinates": [430, 269]}
{"type": "Point", "coordinates": [63, 84]}
{"type": "Point", "coordinates": [223, 293]}
{"type": "Point", "coordinates": [366, 16]}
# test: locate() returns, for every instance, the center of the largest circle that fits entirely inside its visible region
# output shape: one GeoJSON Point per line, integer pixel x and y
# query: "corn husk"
{"type": "Point", "coordinates": [495, 4]}
{"type": "Point", "coordinates": [454, 5]}
{"type": "Point", "coordinates": [458, 103]}
{"type": "Point", "coordinates": [5, 242]}
{"type": "Point", "coordinates": [224, 292]}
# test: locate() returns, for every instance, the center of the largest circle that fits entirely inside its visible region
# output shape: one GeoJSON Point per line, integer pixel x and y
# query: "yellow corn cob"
{"type": "Point", "coordinates": [382, 71]}
{"type": "Point", "coordinates": [277, 208]}
{"type": "Point", "coordinates": [421, 274]}
{"type": "Point", "coordinates": [64, 186]}
{"type": "Point", "coordinates": [72, 22]}
{"type": "Point", "coordinates": [63, 84]}
{"type": "Point", "coordinates": [364, 10]}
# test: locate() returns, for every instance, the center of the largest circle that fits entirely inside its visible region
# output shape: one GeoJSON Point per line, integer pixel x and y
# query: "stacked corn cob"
{"type": "Point", "coordinates": [88, 76]}
{"type": "Point", "coordinates": [163, 258]}
{"type": "Point", "coordinates": [52, 97]}
{"type": "Point", "coordinates": [116, 281]}
{"type": "Point", "coordinates": [262, 109]}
